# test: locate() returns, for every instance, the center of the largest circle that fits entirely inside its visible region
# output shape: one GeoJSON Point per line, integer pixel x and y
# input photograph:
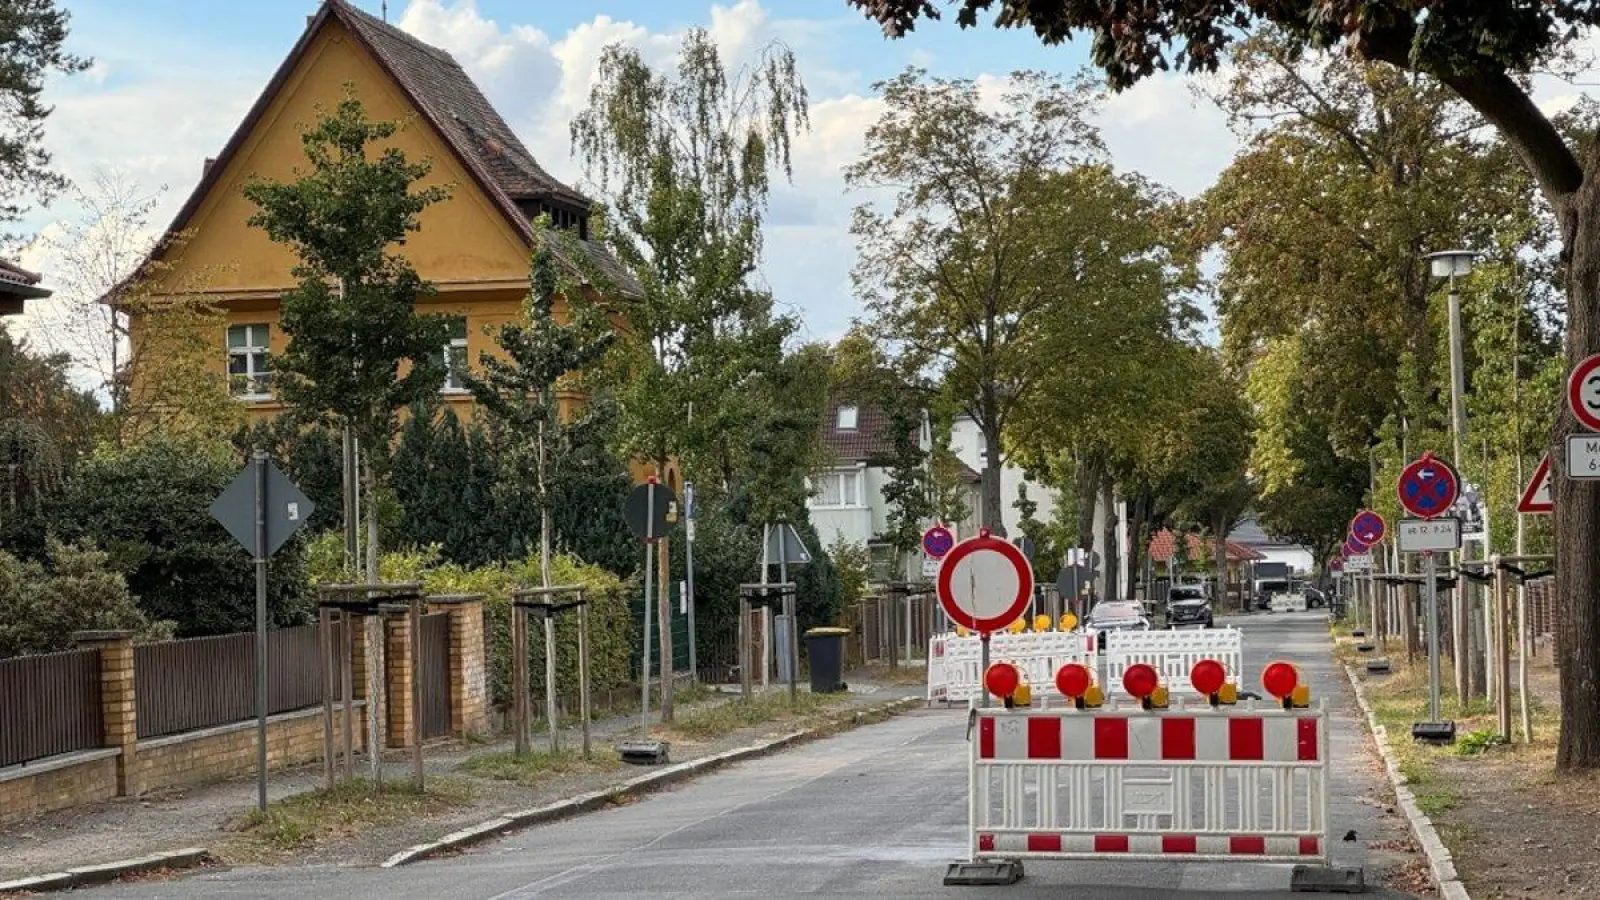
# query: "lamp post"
{"type": "Point", "coordinates": [1449, 264]}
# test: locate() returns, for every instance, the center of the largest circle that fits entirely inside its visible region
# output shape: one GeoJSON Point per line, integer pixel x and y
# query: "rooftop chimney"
{"type": "Point", "coordinates": [206, 169]}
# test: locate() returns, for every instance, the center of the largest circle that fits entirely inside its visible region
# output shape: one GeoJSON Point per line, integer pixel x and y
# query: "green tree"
{"type": "Point", "coordinates": [952, 273]}
{"type": "Point", "coordinates": [351, 319]}
{"type": "Point", "coordinates": [73, 589]}
{"type": "Point", "coordinates": [520, 391]}
{"type": "Point", "coordinates": [31, 48]}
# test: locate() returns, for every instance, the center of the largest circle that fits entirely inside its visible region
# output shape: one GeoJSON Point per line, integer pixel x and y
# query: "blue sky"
{"type": "Point", "coordinates": [173, 78]}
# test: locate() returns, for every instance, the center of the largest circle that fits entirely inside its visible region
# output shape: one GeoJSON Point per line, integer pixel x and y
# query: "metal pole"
{"type": "Point", "coordinates": [790, 644]}
{"type": "Point", "coordinates": [649, 587]}
{"type": "Point", "coordinates": [1430, 573]}
{"type": "Point", "coordinates": [583, 668]}
{"type": "Point", "coordinates": [983, 669]}
{"type": "Point", "coordinates": [1459, 619]}
{"type": "Point", "coordinates": [260, 458]}
{"type": "Point", "coordinates": [688, 583]}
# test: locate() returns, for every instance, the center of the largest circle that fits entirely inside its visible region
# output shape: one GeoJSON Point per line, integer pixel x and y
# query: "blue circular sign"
{"type": "Point", "coordinates": [937, 541]}
{"type": "Point", "coordinates": [1428, 487]}
{"type": "Point", "coordinates": [1367, 527]}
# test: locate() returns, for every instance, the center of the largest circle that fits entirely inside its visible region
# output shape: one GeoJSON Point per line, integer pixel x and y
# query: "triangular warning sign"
{"type": "Point", "coordinates": [1537, 496]}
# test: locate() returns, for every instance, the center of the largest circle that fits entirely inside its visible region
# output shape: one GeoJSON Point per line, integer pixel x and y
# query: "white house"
{"type": "Point", "coordinates": [1250, 534]}
{"type": "Point", "coordinates": [847, 500]}
{"type": "Point", "coordinates": [968, 444]}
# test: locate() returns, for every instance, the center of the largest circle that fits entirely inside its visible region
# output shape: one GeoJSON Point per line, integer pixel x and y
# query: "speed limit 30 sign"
{"type": "Point", "coordinates": [1583, 393]}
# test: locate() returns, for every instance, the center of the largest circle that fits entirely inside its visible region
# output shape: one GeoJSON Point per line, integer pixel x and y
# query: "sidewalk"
{"type": "Point", "coordinates": [205, 816]}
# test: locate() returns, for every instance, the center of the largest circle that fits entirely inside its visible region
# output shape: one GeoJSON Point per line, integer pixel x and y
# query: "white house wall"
{"type": "Point", "coordinates": [966, 442]}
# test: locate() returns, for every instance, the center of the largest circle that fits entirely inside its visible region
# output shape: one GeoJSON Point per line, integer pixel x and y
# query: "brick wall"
{"type": "Point", "coordinates": [469, 673]}
{"type": "Point", "coordinates": [399, 680]}
{"type": "Point", "coordinates": [230, 751]}
{"type": "Point", "coordinates": [61, 783]}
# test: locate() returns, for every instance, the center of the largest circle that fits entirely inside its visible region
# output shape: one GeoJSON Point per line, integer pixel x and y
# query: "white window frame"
{"type": "Point", "coordinates": [858, 501]}
{"type": "Point", "coordinates": [255, 351]}
{"type": "Point", "coordinates": [452, 382]}
{"type": "Point", "coordinates": [848, 412]}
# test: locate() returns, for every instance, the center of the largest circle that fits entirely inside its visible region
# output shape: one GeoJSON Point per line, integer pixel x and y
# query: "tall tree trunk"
{"type": "Point", "coordinates": [993, 508]}
{"type": "Point", "coordinates": [1577, 503]}
{"type": "Point", "coordinates": [1090, 470]}
{"type": "Point", "coordinates": [1108, 571]}
{"type": "Point", "coordinates": [1219, 549]}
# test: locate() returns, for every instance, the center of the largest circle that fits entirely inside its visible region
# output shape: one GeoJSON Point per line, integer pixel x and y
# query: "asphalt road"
{"type": "Point", "coordinates": [877, 811]}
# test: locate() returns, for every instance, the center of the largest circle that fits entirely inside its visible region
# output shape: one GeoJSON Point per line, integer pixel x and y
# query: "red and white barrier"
{"type": "Point", "coordinates": [1203, 783]}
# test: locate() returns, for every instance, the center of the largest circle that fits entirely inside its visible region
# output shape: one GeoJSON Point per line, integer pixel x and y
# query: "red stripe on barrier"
{"type": "Point", "coordinates": [986, 842]}
{"type": "Point", "coordinates": [1044, 843]}
{"type": "Point", "coordinates": [1111, 843]}
{"type": "Point", "coordinates": [1044, 737]}
{"type": "Point", "coordinates": [1177, 739]}
{"type": "Point", "coordinates": [1253, 846]}
{"type": "Point", "coordinates": [1309, 846]}
{"type": "Point", "coordinates": [1179, 843]}
{"type": "Point", "coordinates": [986, 738]}
{"type": "Point", "coordinates": [1111, 738]}
{"type": "Point", "coordinates": [1245, 739]}
{"type": "Point", "coordinates": [1308, 740]}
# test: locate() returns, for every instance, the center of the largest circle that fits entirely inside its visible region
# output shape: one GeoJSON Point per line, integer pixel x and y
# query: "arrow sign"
{"type": "Point", "coordinates": [937, 541]}
{"type": "Point", "coordinates": [1428, 487]}
{"type": "Point", "coordinates": [1537, 496]}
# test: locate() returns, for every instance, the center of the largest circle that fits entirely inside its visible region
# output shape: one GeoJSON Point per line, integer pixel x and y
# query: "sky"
{"type": "Point", "coordinates": [172, 78]}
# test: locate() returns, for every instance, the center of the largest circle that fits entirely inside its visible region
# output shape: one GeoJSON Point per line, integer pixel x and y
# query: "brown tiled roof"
{"type": "Point", "coordinates": [15, 281]}
{"type": "Point", "coordinates": [447, 98]}
{"type": "Point", "coordinates": [1162, 545]}
{"type": "Point", "coordinates": [869, 441]}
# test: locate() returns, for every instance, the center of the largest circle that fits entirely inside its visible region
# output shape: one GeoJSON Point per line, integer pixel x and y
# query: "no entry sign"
{"type": "Point", "coordinates": [1428, 487]}
{"type": "Point", "coordinates": [984, 583]}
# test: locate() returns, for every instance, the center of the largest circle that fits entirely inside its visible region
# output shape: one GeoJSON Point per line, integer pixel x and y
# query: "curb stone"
{"type": "Point", "coordinates": [102, 873]}
{"type": "Point", "coordinates": [583, 803]}
{"type": "Point", "coordinates": [1441, 865]}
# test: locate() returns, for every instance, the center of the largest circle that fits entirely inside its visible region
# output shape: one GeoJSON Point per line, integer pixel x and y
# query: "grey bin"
{"type": "Point", "coordinates": [825, 646]}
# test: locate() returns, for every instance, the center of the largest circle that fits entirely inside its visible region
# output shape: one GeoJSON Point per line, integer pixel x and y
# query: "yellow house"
{"type": "Point", "coordinates": [474, 247]}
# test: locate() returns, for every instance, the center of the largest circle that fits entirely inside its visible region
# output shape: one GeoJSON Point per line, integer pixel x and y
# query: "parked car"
{"type": "Point", "coordinates": [1115, 615]}
{"type": "Point", "coordinates": [1188, 607]}
{"type": "Point", "coordinates": [1315, 598]}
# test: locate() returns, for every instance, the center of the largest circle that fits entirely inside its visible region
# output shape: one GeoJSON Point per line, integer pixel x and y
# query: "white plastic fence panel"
{"type": "Point", "coordinates": [1235, 784]}
{"type": "Point", "coordinates": [1173, 654]}
{"type": "Point", "coordinates": [955, 663]}
{"type": "Point", "coordinates": [1288, 603]}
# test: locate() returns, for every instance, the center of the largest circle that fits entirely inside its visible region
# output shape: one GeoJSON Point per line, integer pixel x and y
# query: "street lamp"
{"type": "Point", "coordinates": [1449, 264]}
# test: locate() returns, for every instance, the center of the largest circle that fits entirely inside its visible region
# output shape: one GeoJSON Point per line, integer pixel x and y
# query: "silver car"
{"type": "Point", "coordinates": [1115, 615]}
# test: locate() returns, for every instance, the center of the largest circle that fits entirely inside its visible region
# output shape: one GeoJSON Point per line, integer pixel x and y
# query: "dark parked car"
{"type": "Point", "coordinates": [1315, 598]}
{"type": "Point", "coordinates": [1187, 607]}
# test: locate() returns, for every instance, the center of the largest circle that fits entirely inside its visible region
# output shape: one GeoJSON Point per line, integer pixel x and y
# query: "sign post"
{"type": "Point", "coordinates": [688, 581]}
{"type": "Point", "coordinates": [262, 509]}
{"type": "Point", "coordinates": [647, 512]}
{"type": "Point", "coordinates": [1427, 489]}
{"type": "Point", "coordinates": [984, 584]}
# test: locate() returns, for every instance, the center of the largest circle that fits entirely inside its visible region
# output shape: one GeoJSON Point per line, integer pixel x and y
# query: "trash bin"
{"type": "Point", "coordinates": [825, 646]}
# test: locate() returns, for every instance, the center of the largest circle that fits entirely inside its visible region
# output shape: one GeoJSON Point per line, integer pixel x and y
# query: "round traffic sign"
{"type": "Point", "coordinates": [1583, 392]}
{"type": "Point", "coordinates": [937, 541]}
{"type": "Point", "coordinates": [984, 583]}
{"type": "Point", "coordinates": [1368, 527]}
{"type": "Point", "coordinates": [1428, 487]}
{"type": "Point", "coordinates": [650, 510]}
{"type": "Point", "coordinates": [1336, 565]}
{"type": "Point", "coordinates": [1353, 548]}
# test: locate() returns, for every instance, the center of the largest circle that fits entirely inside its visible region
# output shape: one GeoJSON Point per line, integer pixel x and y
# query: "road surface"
{"type": "Point", "coordinates": [879, 811]}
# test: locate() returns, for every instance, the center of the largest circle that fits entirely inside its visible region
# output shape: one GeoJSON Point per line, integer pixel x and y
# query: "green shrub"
{"type": "Point", "coordinates": [42, 604]}
{"type": "Point", "coordinates": [610, 629]}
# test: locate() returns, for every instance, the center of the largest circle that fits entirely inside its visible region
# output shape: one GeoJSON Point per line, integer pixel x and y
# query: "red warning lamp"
{"type": "Point", "coordinates": [1073, 680]}
{"type": "Point", "coordinates": [1280, 679]}
{"type": "Point", "coordinates": [1140, 680]}
{"type": "Point", "coordinates": [1208, 676]}
{"type": "Point", "coordinates": [1002, 679]}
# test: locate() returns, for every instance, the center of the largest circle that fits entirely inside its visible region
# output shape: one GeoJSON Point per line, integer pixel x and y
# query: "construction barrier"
{"type": "Point", "coordinates": [1206, 780]}
{"type": "Point", "coordinates": [1173, 654]}
{"type": "Point", "coordinates": [955, 662]}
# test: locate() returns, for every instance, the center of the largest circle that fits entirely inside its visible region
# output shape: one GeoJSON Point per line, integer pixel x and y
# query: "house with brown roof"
{"type": "Point", "coordinates": [1200, 553]}
{"type": "Point", "coordinates": [17, 286]}
{"type": "Point", "coordinates": [847, 500]}
{"type": "Point", "coordinates": [474, 247]}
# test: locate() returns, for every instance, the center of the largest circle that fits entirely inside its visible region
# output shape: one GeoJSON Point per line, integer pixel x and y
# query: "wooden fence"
{"type": "Point", "coordinates": [49, 704]}
{"type": "Point", "coordinates": [204, 682]}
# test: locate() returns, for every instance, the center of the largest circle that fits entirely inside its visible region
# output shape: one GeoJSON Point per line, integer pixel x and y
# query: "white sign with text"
{"type": "Point", "coordinates": [1441, 535]}
{"type": "Point", "coordinates": [1583, 456]}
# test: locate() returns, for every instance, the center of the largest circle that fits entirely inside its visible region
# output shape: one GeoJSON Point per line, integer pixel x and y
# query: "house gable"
{"type": "Point", "coordinates": [464, 240]}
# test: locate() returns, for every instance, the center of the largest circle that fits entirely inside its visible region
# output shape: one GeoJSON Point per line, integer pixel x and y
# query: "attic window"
{"type": "Point", "coordinates": [847, 418]}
